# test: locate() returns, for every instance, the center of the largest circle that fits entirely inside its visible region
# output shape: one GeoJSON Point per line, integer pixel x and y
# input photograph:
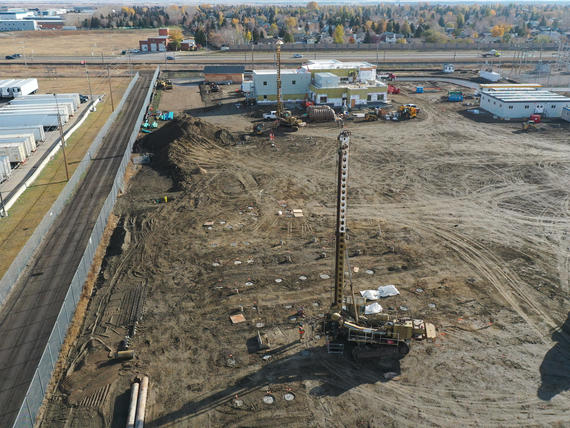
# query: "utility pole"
{"type": "Point", "coordinates": [88, 81]}
{"type": "Point", "coordinates": [110, 88]}
{"type": "Point", "coordinates": [61, 137]}
{"type": "Point", "coordinates": [377, 62]}
{"type": "Point", "coordinates": [278, 54]}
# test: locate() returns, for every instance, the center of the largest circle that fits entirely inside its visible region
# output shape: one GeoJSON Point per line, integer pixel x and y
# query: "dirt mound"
{"type": "Point", "coordinates": [185, 133]}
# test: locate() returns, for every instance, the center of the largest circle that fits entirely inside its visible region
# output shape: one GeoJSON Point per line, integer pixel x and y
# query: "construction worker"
{"type": "Point", "coordinates": [301, 332]}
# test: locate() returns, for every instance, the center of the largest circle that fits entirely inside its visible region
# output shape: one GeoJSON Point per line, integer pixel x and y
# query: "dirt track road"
{"type": "Point", "coordinates": [28, 316]}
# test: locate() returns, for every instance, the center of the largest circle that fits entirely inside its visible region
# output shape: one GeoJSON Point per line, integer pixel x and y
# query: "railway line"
{"type": "Point", "coordinates": [29, 314]}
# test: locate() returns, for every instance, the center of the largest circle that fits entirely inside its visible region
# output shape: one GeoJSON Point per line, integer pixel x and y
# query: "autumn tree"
{"type": "Point", "coordinates": [312, 5]}
{"type": "Point", "coordinates": [338, 35]}
{"type": "Point", "coordinates": [175, 38]}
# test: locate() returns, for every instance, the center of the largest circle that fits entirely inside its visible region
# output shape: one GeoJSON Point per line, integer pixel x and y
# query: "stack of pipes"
{"type": "Point", "coordinates": [137, 406]}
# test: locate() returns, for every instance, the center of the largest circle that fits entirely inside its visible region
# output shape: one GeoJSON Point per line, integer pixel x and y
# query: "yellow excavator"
{"type": "Point", "coordinates": [407, 112]}
{"type": "Point", "coordinates": [368, 336]}
{"type": "Point", "coordinates": [164, 84]}
{"type": "Point", "coordinates": [529, 125]}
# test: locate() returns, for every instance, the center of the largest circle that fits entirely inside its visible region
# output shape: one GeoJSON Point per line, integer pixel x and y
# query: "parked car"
{"type": "Point", "coordinates": [272, 115]}
{"type": "Point", "coordinates": [298, 55]}
{"type": "Point", "coordinates": [225, 48]}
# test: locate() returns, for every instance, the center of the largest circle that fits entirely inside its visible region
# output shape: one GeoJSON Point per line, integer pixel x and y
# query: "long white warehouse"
{"type": "Point", "coordinates": [508, 104]}
{"type": "Point", "coordinates": [38, 131]}
{"type": "Point", "coordinates": [13, 88]}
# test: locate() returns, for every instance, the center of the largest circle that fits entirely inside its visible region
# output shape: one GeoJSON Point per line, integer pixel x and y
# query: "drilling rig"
{"type": "Point", "coordinates": [368, 336]}
{"type": "Point", "coordinates": [285, 117]}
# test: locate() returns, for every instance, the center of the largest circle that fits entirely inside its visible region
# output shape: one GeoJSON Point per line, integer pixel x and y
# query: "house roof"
{"type": "Point", "coordinates": [224, 69]}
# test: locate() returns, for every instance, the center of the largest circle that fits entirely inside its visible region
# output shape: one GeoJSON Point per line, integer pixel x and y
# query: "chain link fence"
{"type": "Point", "coordinates": [36, 391]}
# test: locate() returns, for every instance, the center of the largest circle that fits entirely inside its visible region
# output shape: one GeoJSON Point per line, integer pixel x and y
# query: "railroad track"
{"type": "Point", "coordinates": [28, 316]}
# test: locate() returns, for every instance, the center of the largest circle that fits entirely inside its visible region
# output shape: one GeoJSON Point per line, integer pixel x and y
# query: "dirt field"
{"type": "Point", "coordinates": [84, 42]}
{"type": "Point", "coordinates": [469, 220]}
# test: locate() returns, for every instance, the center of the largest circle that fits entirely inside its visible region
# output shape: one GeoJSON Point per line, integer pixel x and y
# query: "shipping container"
{"type": "Point", "coordinates": [16, 152]}
{"type": "Point", "coordinates": [46, 119]}
{"type": "Point", "coordinates": [64, 109]}
{"type": "Point", "coordinates": [5, 168]}
{"type": "Point", "coordinates": [565, 115]}
{"type": "Point", "coordinates": [26, 140]}
{"type": "Point", "coordinates": [45, 102]}
{"type": "Point", "coordinates": [13, 88]}
{"type": "Point", "coordinates": [65, 97]}
{"type": "Point", "coordinates": [38, 131]}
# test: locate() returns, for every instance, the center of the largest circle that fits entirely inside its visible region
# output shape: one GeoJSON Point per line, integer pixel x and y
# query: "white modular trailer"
{"type": "Point", "coordinates": [508, 104]}
{"type": "Point", "coordinates": [491, 76]}
{"type": "Point", "coordinates": [565, 115]}
{"type": "Point", "coordinates": [33, 99]}
{"type": "Point", "coordinates": [38, 131]}
{"type": "Point", "coordinates": [60, 97]}
{"type": "Point", "coordinates": [37, 111]}
{"type": "Point", "coordinates": [16, 152]}
{"type": "Point", "coordinates": [14, 88]}
{"type": "Point", "coordinates": [65, 109]}
{"type": "Point", "coordinates": [25, 140]}
{"type": "Point", "coordinates": [5, 168]}
{"type": "Point", "coordinates": [66, 104]}
{"type": "Point", "coordinates": [45, 119]}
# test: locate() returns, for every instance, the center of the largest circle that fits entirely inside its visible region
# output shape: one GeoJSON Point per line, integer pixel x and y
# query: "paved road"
{"type": "Point", "coordinates": [211, 57]}
{"type": "Point", "coordinates": [28, 316]}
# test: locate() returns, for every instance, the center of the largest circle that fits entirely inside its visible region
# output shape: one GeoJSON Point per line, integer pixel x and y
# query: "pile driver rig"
{"type": "Point", "coordinates": [369, 336]}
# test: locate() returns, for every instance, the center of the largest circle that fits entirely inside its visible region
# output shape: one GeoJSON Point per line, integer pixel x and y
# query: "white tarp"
{"type": "Point", "coordinates": [382, 291]}
{"type": "Point", "coordinates": [373, 308]}
{"type": "Point", "coordinates": [370, 294]}
{"type": "Point", "coordinates": [388, 290]}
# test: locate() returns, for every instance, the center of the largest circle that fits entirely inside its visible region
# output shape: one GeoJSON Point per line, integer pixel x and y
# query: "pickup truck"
{"type": "Point", "coordinates": [272, 115]}
{"type": "Point", "coordinates": [492, 52]}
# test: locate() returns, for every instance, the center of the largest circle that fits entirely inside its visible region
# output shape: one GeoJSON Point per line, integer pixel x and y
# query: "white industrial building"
{"type": "Point", "coordinates": [14, 88]}
{"type": "Point", "coordinates": [18, 25]}
{"type": "Point", "coordinates": [520, 104]}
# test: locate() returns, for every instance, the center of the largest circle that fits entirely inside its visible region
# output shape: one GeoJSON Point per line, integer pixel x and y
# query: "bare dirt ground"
{"type": "Point", "coordinates": [469, 220]}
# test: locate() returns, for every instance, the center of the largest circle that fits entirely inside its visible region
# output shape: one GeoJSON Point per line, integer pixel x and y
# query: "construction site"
{"type": "Point", "coordinates": [329, 246]}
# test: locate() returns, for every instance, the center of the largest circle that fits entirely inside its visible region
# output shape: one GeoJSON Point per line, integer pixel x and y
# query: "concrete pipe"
{"type": "Point", "coordinates": [141, 405]}
{"type": "Point", "coordinates": [133, 405]}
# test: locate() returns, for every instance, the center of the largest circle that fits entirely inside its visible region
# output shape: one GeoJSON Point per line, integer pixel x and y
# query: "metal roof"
{"type": "Point", "coordinates": [510, 96]}
{"type": "Point", "coordinates": [224, 69]}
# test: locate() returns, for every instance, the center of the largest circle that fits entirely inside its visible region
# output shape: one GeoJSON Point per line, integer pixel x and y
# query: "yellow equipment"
{"type": "Point", "coordinates": [407, 112]}
{"type": "Point", "coordinates": [285, 117]}
{"type": "Point", "coordinates": [164, 84]}
{"type": "Point", "coordinates": [529, 125]}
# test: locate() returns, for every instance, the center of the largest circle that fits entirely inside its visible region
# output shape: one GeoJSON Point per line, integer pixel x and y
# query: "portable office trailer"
{"type": "Point", "coordinates": [5, 168]}
{"type": "Point", "coordinates": [66, 97]}
{"type": "Point", "coordinates": [65, 109]}
{"type": "Point", "coordinates": [45, 101]}
{"type": "Point", "coordinates": [38, 131]}
{"type": "Point", "coordinates": [29, 138]}
{"type": "Point", "coordinates": [45, 119]}
{"type": "Point", "coordinates": [16, 152]}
